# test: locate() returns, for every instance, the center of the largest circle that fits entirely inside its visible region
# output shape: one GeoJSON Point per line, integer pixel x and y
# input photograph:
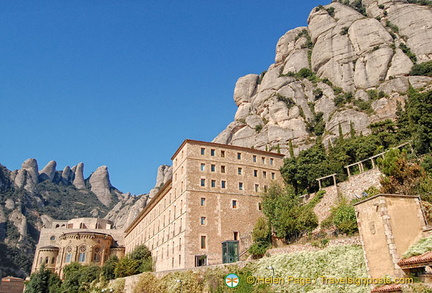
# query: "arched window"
{"type": "Point", "coordinates": [46, 260]}
{"type": "Point", "coordinates": [68, 256]}
{"type": "Point", "coordinates": [97, 254]}
{"type": "Point", "coordinates": [82, 253]}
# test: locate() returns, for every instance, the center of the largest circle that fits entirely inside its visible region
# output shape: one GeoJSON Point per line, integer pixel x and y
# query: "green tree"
{"type": "Point", "coordinates": [261, 237]}
{"type": "Point", "coordinates": [39, 281]}
{"type": "Point", "coordinates": [107, 270]}
{"type": "Point", "coordinates": [419, 110]}
{"type": "Point", "coordinates": [126, 267]}
{"type": "Point", "coordinates": [143, 256]}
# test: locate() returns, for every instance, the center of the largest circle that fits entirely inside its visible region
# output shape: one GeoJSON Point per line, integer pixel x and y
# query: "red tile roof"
{"type": "Point", "coordinates": [416, 260]}
{"type": "Point", "coordinates": [388, 288]}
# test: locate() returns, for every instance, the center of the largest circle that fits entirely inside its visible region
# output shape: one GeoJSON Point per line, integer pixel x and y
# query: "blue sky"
{"type": "Point", "coordinates": [123, 83]}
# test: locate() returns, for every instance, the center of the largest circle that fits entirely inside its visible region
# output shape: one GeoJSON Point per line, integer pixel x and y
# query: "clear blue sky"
{"type": "Point", "coordinates": [123, 83]}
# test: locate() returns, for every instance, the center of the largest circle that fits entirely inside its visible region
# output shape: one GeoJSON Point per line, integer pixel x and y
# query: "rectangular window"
{"type": "Point", "coordinates": [264, 174]}
{"type": "Point", "coordinates": [222, 169]}
{"type": "Point", "coordinates": [213, 183]}
{"type": "Point", "coordinates": [239, 171]}
{"type": "Point", "coordinates": [222, 154]}
{"type": "Point", "coordinates": [254, 159]}
{"type": "Point", "coordinates": [223, 184]}
{"type": "Point", "coordinates": [265, 188]}
{"type": "Point", "coordinates": [238, 156]}
{"type": "Point", "coordinates": [234, 203]}
{"type": "Point", "coordinates": [271, 161]}
{"type": "Point", "coordinates": [81, 257]}
{"type": "Point", "coordinates": [213, 168]}
{"type": "Point", "coordinates": [256, 187]}
{"type": "Point", "coordinates": [203, 200]}
{"type": "Point", "coordinates": [263, 160]}
{"type": "Point", "coordinates": [203, 242]}
{"type": "Point", "coordinates": [202, 168]}
{"type": "Point", "coordinates": [259, 206]}
{"type": "Point", "coordinates": [202, 151]}
{"type": "Point", "coordinates": [240, 185]}
{"type": "Point", "coordinates": [255, 173]}
{"type": "Point", "coordinates": [68, 257]}
{"type": "Point", "coordinates": [202, 182]}
{"type": "Point", "coordinates": [203, 220]}
{"type": "Point", "coordinates": [236, 235]}
{"type": "Point", "coordinates": [272, 176]}
{"type": "Point", "coordinates": [212, 152]}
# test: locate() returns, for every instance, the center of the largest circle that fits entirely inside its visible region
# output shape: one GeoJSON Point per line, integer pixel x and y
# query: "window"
{"type": "Point", "coordinates": [265, 188]}
{"type": "Point", "coordinates": [239, 171]}
{"type": "Point", "coordinates": [256, 187]}
{"type": "Point", "coordinates": [68, 257]}
{"type": "Point", "coordinates": [203, 220]}
{"type": "Point", "coordinates": [82, 257]}
{"type": "Point", "coordinates": [236, 234]}
{"type": "Point", "coordinates": [202, 151]}
{"type": "Point", "coordinates": [213, 168]}
{"type": "Point", "coordinates": [259, 206]}
{"type": "Point", "coordinates": [264, 174]}
{"type": "Point", "coordinates": [203, 242]}
{"type": "Point", "coordinates": [240, 185]}
{"type": "Point", "coordinates": [213, 183]}
{"type": "Point", "coordinates": [254, 159]}
{"type": "Point", "coordinates": [97, 254]}
{"type": "Point", "coordinates": [202, 182]}
{"type": "Point", "coordinates": [222, 169]}
{"type": "Point", "coordinates": [223, 184]}
{"type": "Point", "coordinates": [202, 168]}
{"type": "Point", "coordinates": [263, 160]}
{"type": "Point", "coordinates": [238, 156]}
{"type": "Point", "coordinates": [234, 203]}
{"type": "Point", "coordinates": [271, 161]}
{"type": "Point", "coordinates": [222, 154]}
{"type": "Point", "coordinates": [273, 175]}
{"type": "Point", "coordinates": [203, 200]}
{"type": "Point", "coordinates": [179, 244]}
{"type": "Point", "coordinates": [52, 238]}
{"type": "Point", "coordinates": [255, 173]}
{"type": "Point", "coordinates": [212, 152]}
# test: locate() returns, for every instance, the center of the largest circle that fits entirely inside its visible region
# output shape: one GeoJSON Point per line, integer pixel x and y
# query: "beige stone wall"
{"type": "Point", "coordinates": [388, 225]}
{"type": "Point", "coordinates": [172, 224]}
{"type": "Point", "coordinates": [55, 241]}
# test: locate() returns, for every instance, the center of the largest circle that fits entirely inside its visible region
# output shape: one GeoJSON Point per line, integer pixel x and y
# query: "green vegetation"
{"type": "Point", "coordinates": [43, 281]}
{"type": "Point", "coordinates": [422, 246]}
{"type": "Point", "coordinates": [408, 52]}
{"type": "Point", "coordinates": [344, 30]}
{"type": "Point", "coordinates": [334, 261]}
{"type": "Point", "coordinates": [331, 11]}
{"type": "Point", "coordinates": [138, 261]}
{"type": "Point", "coordinates": [258, 128]}
{"type": "Point", "coordinates": [261, 236]}
{"type": "Point", "coordinates": [343, 218]}
{"type": "Point", "coordinates": [421, 2]}
{"type": "Point", "coordinates": [289, 102]}
{"type": "Point", "coordinates": [424, 68]}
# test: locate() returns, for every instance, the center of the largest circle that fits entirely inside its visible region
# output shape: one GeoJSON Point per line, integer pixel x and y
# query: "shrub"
{"type": "Point", "coordinates": [424, 68]}
{"type": "Point", "coordinates": [331, 11]}
{"type": "Point", "coordinates": [258, 128]}
{"type": "Point", "coordinates": [344, 30]}
{"type": "Point", "coordinates": [108, 269]}
{"type": "Point", "coordinates": [408, 52]}
{"type": "Point", "coordinates": [344, 218]}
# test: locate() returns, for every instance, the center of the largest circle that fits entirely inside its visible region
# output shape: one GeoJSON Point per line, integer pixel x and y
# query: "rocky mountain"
{"type": "Point", "coordinates": [30, 199]}
{"type": "Point", "coordinates": [348, 68]}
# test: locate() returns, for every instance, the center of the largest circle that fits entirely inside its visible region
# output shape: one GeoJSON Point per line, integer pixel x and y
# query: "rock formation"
{"type": "Point", "coordinates": [347, 67]}
{"type": "Point", "coordinates": [78, 181]}
{"type": "Point", "coordinates": [48, 173]}
{"type": "Point", "coordinates": [101, 185]}
{"type": "Point", "coordinates": [163, 175]}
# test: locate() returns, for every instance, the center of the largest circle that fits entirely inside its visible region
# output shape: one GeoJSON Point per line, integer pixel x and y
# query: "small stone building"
{"type": "Point", "coordinates": [83, 240]}
{"type": "Point", "coordinates": [212, 202]}
{"type": "Point", "coordinates": [388, 225]}
{"type": "Point", "coordinates": [11, 285]}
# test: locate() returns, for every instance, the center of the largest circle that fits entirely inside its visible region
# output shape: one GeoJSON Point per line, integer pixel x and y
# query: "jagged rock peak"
{"type": "Point", "coordinates": [101, 186]}
{"type": "Point", "coordinates": [27, 176]}
{"type": "Point", "coordinates": [163, 175]}
{"type": "Point", "coordinates": [78, 181]}
{"type": "Point", "coordinates": [67, 175]}
{"type": "Point", "coordinates": [48, 172]}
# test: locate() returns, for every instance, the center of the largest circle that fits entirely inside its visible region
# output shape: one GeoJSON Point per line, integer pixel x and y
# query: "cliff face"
{"type": "Point", "coordinates": [350, 67]}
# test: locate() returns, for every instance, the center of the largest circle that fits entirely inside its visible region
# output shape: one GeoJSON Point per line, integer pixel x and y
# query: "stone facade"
{"type": "Point", "coordinates": [213, 197]}
{"type": "Point", "coordinates": [388, 226]}
{"type": "Point", "coordinates": [84, 240]}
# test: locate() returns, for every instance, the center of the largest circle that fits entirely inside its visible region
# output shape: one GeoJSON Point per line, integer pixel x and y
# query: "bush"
{"type": "Point", "coordinates": [424, 68]}
{"type": "Point", "coordinates": [344, 218]}
{"type": "Point", "coordinates": [108, 269]}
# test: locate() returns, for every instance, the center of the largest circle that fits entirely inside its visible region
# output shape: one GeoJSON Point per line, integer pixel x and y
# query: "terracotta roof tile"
{"type": "Point", "coordinates": [388, 288]}
{"type": "Point", "coordinates": [418, 259]}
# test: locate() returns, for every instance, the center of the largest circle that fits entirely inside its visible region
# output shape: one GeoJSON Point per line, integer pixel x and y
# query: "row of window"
{"type": "Point", "coordinates": [239, 156]}
{"type": "Point", "coordinates": [223, 184]}
{"type": "Point", "coordinates": [239, 171]}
